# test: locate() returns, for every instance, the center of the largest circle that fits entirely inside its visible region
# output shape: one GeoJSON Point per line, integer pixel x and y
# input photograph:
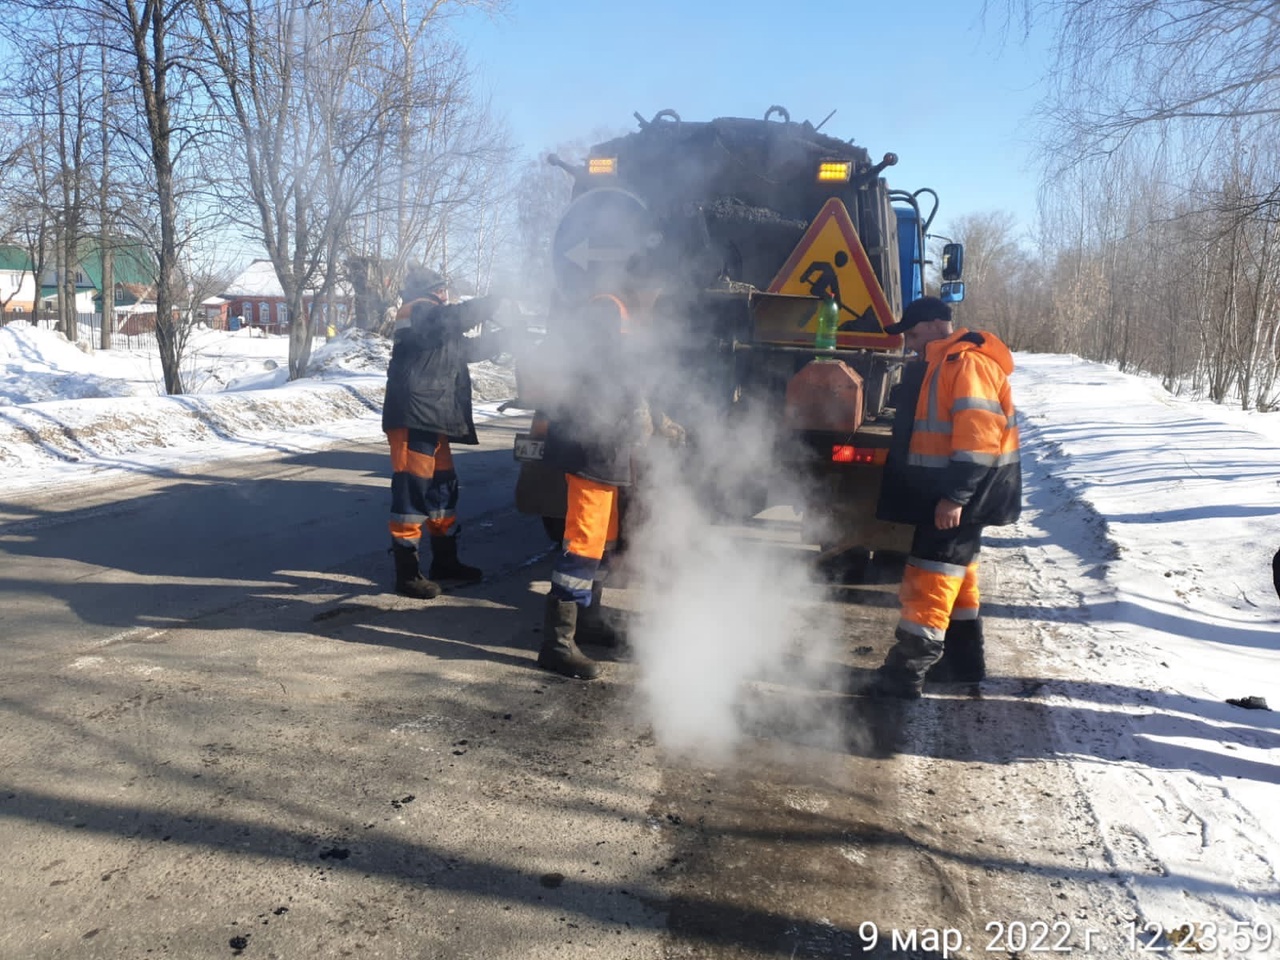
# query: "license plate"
{"type": "Point", "coordinates": [527, 448]}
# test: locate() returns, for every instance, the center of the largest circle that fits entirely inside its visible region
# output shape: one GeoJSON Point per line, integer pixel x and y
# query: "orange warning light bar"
{"type": "Point", "coordinates": [602, 166]}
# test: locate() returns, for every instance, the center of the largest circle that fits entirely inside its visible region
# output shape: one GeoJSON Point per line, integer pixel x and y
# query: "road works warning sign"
{"type": "Point", "coordinates": [829, 261]}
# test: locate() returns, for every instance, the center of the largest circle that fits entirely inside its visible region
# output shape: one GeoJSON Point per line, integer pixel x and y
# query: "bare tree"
{"type": "Point", "coordinates": [307, 117]}
{"type": "Point", "coordinates": [1162, 154]}
{"type": "Point", "coordinates": [331, 104]}
{"type": "Point", "coordinates": [260, 52]}
{"type": "Point", "coordinates": [997, 267]}
{"type": "Point", "coordinates": [439, 175]}
{"type": "Point", "coordinates": [26, 189]}
{"type": "Point", "coordinates": [148, 26]}
{"type": "Point", "coordinates": [106, 225]}
{"type": "Point", "coordinates": [542, 195]}
{"type": "Point", "coordinates": [146, 42]}
{"type": "Point", "coordinates": [1126, 67]}
{"type": "Point", "coordinates": [51, 96]}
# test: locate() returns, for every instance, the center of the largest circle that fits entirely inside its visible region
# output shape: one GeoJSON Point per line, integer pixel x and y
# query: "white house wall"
{"type": "Point", "coordinates": [17, 286]}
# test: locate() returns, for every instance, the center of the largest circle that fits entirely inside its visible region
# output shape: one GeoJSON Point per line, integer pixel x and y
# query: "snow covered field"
{"type": "Point", "coordinates": [1143, 575]}
{"type": "Point", "coordinates": [68, 411]}
{"type": "Point", "coordinates": [1148, 535]}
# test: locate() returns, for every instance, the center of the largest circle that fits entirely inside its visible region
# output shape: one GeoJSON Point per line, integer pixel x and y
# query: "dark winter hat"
{"type": "Point", "coordinates": [920, 311]}
{"type": "Point", "coordinates": [423, 283]}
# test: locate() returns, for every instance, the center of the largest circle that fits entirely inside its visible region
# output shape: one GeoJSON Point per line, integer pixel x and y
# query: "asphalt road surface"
{"type": "Point", "coordinates": [223, 736]}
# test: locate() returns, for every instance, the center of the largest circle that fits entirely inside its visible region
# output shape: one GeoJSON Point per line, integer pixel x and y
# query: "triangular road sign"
{"type": "Point", "coordinates": [829, 261]}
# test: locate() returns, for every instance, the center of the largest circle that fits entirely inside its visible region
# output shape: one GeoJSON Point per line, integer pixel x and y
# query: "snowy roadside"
{"type": "Point", "coordinates": [66, 411]}
{"type": "Point", "coordinates": [1144, 582]}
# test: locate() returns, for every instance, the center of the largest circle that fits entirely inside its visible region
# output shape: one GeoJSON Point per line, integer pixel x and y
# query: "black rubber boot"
{"type": "Point", "coordinates": [894, 683]}
{"type": "Point", "coordinates": [409, 579]}
{"type": "Point", "coordinates": [594, 623]}
{"type": "Point", "coordinates": [963, 657]}
{"type": "Point", "coordinates": [559, 653]}
{"type": "Point", "coordinates": [445, 564]}
{"type": "Point", "coordinates": [902, 675]}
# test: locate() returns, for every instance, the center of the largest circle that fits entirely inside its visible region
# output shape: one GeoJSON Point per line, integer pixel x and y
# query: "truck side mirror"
{"type": "Point", "coordinates": [953, 261]}
{"type": "Point", "coordinates": [952, 292]}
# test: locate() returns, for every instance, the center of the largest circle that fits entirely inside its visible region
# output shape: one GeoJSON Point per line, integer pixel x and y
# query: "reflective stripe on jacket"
{"type": "Point", "coordinates": [964, 443]}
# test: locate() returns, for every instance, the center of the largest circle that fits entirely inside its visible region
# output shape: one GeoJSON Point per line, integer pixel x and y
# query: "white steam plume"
{"type": "Point", "coordinates": [731, 635]}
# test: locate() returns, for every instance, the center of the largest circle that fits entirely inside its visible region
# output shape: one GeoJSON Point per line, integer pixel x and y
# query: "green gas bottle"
{"type": "Point", "coordinates": [828, 321]}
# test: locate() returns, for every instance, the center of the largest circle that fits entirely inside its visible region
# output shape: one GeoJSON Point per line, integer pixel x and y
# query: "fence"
{"type": "Point", "coordinates": [125, 335]}
{"type": "Point", "coordinates": [135, 331]}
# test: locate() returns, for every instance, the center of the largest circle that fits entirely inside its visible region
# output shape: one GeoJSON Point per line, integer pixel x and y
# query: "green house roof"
{"type": "Point", "coordinates": [14, 258]}
{"type": "Point", "coordinates": [132, 263]}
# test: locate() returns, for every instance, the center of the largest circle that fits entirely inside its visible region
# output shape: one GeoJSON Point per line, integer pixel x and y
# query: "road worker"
{"type": "Point", "coordinates": [428, 406]}
{"type": "Point", "coordinates": [599, 418]}
{"type": "Point", "coordinates": [953, 468]}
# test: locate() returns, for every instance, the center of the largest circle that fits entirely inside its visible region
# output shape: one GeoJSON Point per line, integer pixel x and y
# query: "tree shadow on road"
{"type": "Point", "coordinates": [1082, 719]}
{"type": "Point", "coordinates": [237, 552]}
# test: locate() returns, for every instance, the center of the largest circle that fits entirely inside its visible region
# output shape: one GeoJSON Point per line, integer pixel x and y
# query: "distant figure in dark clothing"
{"type": "Point", "coordinates": [1275, 572]}
{"type": "Point", "coordinates": [427, 406]}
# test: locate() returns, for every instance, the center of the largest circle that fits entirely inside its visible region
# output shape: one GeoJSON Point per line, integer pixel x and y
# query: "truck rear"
{"type": "Point", "coordinates": [777, 256]}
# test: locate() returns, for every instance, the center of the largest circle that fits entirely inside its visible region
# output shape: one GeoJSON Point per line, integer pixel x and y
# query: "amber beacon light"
{"type": "Point", "coordinates": [834, 171]}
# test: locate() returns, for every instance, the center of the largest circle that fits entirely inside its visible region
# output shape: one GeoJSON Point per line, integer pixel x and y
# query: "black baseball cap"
{"type": "Point", "coordinates": [920, 311]}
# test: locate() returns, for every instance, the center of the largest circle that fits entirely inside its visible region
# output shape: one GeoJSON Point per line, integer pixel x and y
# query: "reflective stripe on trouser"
{"type": "Point", "coordinates": [424, 486]}
{"type": "Point", "coordinates": [590, 528]}
{"type": "Point", "coordinates": [940, 581]}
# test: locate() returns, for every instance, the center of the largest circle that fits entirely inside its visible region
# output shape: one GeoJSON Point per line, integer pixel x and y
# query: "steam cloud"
{"type": "Point", "coordinates": [731, 636]}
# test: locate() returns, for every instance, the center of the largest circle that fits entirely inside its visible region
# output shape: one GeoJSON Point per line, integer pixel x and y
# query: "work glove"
{"type": "Point", "coordinates": [642, 422]}
{"type": "Point", "coordinates": [671, 431]}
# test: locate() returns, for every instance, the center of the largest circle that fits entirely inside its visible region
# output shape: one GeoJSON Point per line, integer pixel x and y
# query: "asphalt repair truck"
{"type": "Point", "coordinates": [781, 254]}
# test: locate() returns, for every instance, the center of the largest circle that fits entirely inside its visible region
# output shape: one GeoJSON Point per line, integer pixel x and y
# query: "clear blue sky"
{"type": "Point", "coordinates": [925, 79]}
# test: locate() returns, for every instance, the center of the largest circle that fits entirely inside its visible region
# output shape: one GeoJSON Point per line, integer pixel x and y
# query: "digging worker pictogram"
{"type": "Point", "coordinates": [953, 468]}
{"type": "Point", "coordinates": [823, 280]}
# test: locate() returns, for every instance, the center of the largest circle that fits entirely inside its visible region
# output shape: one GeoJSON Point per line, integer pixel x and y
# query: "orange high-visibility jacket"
{"type": "Point", "coordinates": [963, 439]}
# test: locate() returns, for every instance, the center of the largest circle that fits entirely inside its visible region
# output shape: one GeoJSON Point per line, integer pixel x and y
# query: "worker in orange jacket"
{"type": "Point", "coordinates": [953, 468]}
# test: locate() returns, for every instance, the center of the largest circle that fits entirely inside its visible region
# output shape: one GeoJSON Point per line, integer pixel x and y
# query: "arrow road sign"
{"type": "Point", "coordinates": [584, 253]}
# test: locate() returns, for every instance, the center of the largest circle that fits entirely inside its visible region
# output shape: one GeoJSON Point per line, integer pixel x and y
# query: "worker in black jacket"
{"type": "Point", "coordinates": [598, 418]}
{"type": "Point", "coordinates": [428, 406]}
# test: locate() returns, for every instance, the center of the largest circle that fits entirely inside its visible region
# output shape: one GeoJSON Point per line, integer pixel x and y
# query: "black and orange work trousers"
{"type": "Point", "coordinates": [590, 537]}
{"type": "Point", "coordinates": [940, 583]}
{"type": "Point", "coordinates": [424, 486]}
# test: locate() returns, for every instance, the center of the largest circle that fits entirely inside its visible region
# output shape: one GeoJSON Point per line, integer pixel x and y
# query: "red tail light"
{"type": "Point", "coordinates": [842, 453]}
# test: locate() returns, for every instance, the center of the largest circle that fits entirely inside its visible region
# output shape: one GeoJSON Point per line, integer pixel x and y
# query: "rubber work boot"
{"type": "Point", "coordinates": [902, 675]}
{"type": "Point", "coordinates": [559, 653]}
{"type": "Point", "coordinates": [409, 579]}
{"type": "Point", "coordinates": [894, 683]}
{"type": "Point", "coordinates": [445, 564]}
{"type": "Point", "coordinates": [594, 626]}
{"type": "Point", "coordinates": [963, 659]}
